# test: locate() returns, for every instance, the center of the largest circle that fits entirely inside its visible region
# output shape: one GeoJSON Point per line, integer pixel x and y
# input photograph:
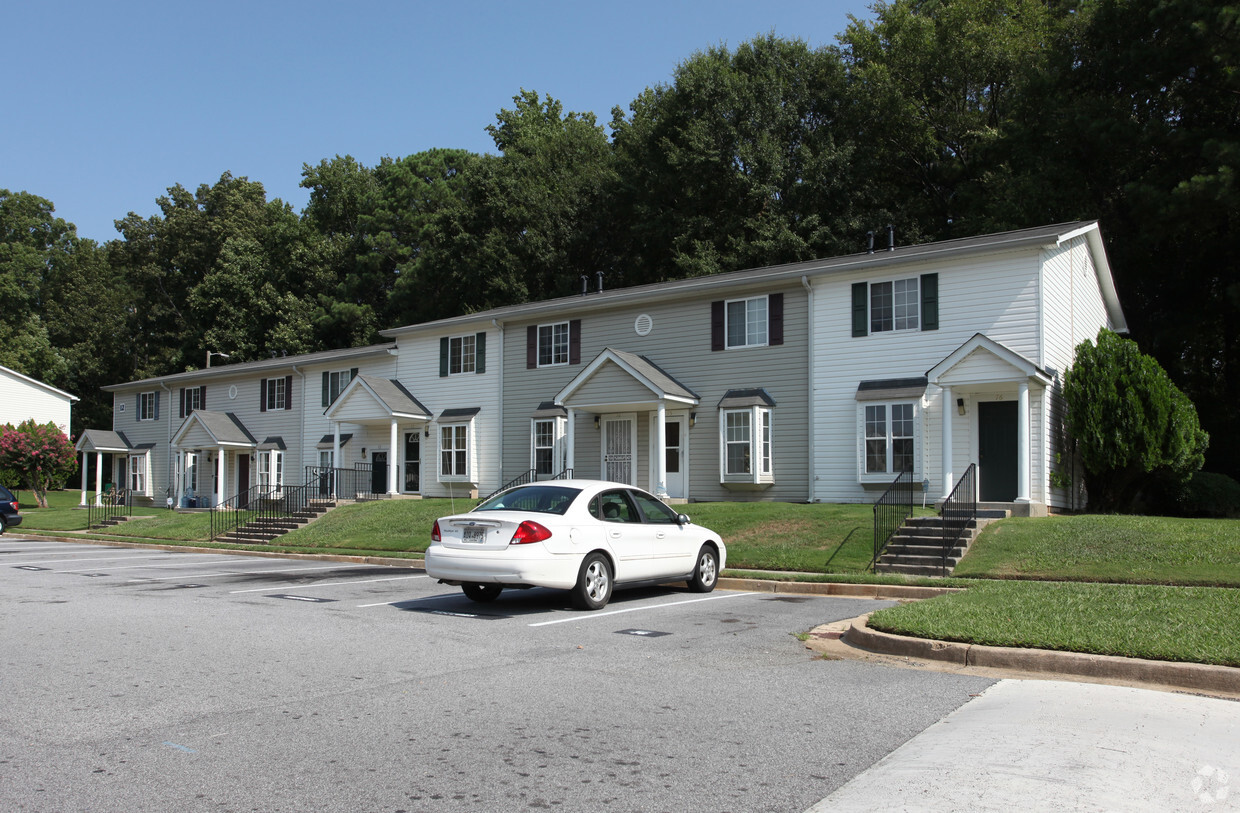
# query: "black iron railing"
{"type": "Point", "coordinates": [891, 510]}
{"type": "Point", "coordinates": [567, 474]}
{"type": "Point", "coordinates": [519, 480]}
{"type": "Point", "coordinates": [235, 511]}
{"type": "Point", "coordinates": [263, 509]}
{"type": "Point", "coordinates": [115, 504]}
{"type": "Point", "coordinates": [959, 511]}
{"type": "Point", "coordinates": [356, 483]}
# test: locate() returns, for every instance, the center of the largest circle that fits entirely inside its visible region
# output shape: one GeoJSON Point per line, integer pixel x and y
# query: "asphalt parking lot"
{"type": "Point", "coordinates": [139, 679]}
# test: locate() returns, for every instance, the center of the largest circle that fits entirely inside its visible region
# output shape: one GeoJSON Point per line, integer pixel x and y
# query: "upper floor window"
{"type": "Point", "coordinates": [746, 322]}
{"type": "Point", "coordinates": [192, 399]}
{"type": "Point", "coordinates": [275, 393]}
{"type": "Point", "coordinates": [894, 305]}
{"type": "Point", "coordinates": [148, 406]}
{"type": "Point", "coordinates": [461, 354]}
{"type": "Point", "coordinates": [553, 344]}
{"type": "Point", "coordinates": [336, 382]}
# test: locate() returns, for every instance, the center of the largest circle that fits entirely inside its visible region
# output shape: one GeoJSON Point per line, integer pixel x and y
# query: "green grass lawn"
{"type": "Point", "coordinates": [1195, 624]}
{"type": "Point", "coordinates": [1108, 548]}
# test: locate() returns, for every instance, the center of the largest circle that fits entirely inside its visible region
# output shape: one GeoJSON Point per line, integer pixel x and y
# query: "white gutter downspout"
{"type": "Point", "coordinates": [305, 398]}
{"type": "Point", "coordinates": [499, 469]}
{"type": "Point", "coordinates": [813, 441]}
{"type": "Point", "coordinates": [168, 454]}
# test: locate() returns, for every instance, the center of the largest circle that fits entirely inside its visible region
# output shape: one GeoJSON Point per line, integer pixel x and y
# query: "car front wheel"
{"type": "Point", "coordinates": [482, 592]}
{"type": "Point", "coordinates": [593, 583]}
{"type": "Point", "coordinates": [706, 572]}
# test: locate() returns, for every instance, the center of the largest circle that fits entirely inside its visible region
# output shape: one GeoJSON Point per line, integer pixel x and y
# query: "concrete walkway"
{"type": "Point", "coordinates": [1034, 745]}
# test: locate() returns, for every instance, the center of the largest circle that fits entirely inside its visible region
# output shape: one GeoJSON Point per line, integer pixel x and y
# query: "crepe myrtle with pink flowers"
{"type": "Point", "coordinates": [41, 456]}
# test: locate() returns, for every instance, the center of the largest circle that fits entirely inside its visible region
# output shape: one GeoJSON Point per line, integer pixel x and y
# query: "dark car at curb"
{"type": "Point", "coordinates": [9, 516]}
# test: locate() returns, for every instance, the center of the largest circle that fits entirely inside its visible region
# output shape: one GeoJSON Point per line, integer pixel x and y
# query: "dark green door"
{"type": "Point", "coordinates": [996, 451]}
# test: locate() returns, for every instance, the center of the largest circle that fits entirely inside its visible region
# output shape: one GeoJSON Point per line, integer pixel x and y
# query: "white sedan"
{"type": "Point", "coordinates": [587, 536]}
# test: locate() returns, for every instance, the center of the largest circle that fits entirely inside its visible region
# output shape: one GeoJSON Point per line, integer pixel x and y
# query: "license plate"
{"type": "Point", "coordinates": [473, 534]}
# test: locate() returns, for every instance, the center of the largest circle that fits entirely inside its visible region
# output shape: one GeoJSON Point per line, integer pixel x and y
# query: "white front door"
{"type": "Point", "coordinates": [619, 443]}
{"type": "Point", "coordinates": [675, 446]}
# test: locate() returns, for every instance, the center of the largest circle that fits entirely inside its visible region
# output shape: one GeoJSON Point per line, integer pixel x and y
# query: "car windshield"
{"type": "Point", "coordinates": [539, 499]}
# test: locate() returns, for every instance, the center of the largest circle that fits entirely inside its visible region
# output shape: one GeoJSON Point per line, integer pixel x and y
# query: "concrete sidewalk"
{"type": "Point", "coordinates": [1034, 745]}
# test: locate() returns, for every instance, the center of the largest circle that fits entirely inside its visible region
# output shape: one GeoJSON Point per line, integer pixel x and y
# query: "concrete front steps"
{"type": "Point", "coordinates": [262, 533]}
{"type": "Point", "coordinates": [916, 549]}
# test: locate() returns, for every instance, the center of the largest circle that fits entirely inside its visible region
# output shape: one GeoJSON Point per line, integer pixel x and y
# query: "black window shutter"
{"type": "Point", "coordinates": [327, 383]}
{"type": "Point", "coordinates": [156, 405]}
{"type": "Point", "coordinates": [443, 357]}
{"type": "Point", "coordinates": [531, 347]}
{"type": "Point", "coordinates": [202, 397]}
{"type": "Point", "coordinates": [716, 325]}
{"type": "Point", "coordinates": [288, 392]}
{"type": "Point", "coordinates": [929, 301]}
{"type": "Point", "coordinates": [352, 374]}
{"type": "Point", "coordinates": [574, 341]}
{"type": "Point", "coordinates": [137, 413]}
{"type": "Point", "coordinates": [775, 319]}
{"type": "Point", "coordinates": [181, 412]}
{"type": "Point", "coordinates": [262, 395]}
{"type": "Point", "coordinates": [480, 353]}
{"type": "Point", "coordinates": [860, 309]}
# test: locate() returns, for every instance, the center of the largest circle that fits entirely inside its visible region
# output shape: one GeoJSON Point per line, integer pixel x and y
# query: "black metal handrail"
{"type": "Point", "coordinates": [345, 484]}
{"type": "Point", "coordinates": [959, 511]}
{"type": "Point", "coordinates": [519, 480]}
{"type": "Point", "coordinates": [891, 510]}
{"type": "Point", "coordinates": [566, 474]}
{"type": "Point", "coordinates": [235, 511]}
{"type": "Point", "coordinates": [112, 506]}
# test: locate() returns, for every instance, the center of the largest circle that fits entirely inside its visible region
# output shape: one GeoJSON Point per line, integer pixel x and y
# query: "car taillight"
{"type": "Point", "coordinates": [529, 531]}
{"type": "Point", "coordinates": [435, 533]}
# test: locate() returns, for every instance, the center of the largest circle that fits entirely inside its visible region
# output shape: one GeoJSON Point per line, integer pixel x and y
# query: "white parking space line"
{"type": "Point", "coordinates": [144, 567]}
{"type": "Point", "coordinates": [408, 600]}
{"type": "Point", "coordinates": [327, 584]}
{"type": "Point", "coordinates": [241, 573]}
{"type": "Point", "coordinates": [594, 615]}
{"type": "Point", "coordinates": [106, 558]}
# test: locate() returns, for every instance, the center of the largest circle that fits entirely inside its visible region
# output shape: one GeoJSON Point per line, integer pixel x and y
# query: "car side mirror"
{"type": "Point", "coordinates": [683, 519]}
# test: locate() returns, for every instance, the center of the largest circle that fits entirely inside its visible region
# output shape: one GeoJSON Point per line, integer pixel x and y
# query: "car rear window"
{"type": "Point", "coordinates": [538, 499]}
{"type": "Point", "coordinates": [6, 495]}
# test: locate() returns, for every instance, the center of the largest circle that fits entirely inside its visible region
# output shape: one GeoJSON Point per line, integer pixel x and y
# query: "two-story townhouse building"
{"type": "Point", "coordinates": [812, 381]}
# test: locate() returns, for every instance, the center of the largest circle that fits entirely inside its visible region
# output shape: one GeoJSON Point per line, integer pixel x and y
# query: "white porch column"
{"type": "Point", "coordinates": [98, 478]}
{"type": "Point", "coordinates": [393, 459]}
{"type": "Point", "coordinates": [335, 456]}
{"type": "Point", "coordinates": [82, 504]}
{"type": "Point", "coordinates": [570, 446]}
{"type": "Point", "coordinates": [949, 406]}
{"type": "Point", "coordinates": [219, 476]}
{"type": "Point", "coordinates": [1022, 442]}
{"type": "Point", "coordinates": [660, 452]}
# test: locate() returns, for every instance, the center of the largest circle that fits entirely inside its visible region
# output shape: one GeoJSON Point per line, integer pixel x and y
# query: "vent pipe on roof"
{"type": "Point", "coordinates": [869, 242]}
{"type": "Point", "coordinates": [891, 237]}
{"type": "Point", "coordinates": [599, 275]}
{"type": "Point", "coordinates": [585, 285]}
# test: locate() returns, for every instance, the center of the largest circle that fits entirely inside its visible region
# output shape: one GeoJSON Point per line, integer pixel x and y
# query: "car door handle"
{"type": "Point", "coordinates": [614, 534]}
{"type": "Point", "coordinates": [660, 535]}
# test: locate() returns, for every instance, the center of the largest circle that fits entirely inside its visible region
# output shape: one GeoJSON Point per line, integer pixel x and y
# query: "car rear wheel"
{"type": "Point", "coordinates": [706, 572]}
{"type": "Point", "coordinates": [593, 583]}
{"type": "Point", "coordinates": [482, 592]}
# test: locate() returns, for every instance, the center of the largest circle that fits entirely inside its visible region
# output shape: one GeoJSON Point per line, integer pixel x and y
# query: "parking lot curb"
{"type": "Point", "coordinates": [877, 591]}
{"type": "Point", "coordinates": [1191, 676]}
{"type": "Point", "coordinates": [391, 561]}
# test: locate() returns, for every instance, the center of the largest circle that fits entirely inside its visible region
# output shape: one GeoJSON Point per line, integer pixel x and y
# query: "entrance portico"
{"type": "Point", "coordinates": [101, 442]}
{"type": "Point", "coordinates": [379, 404]}
{"type": "Point", "coordinates": [210, 438]}
{"type": "Point", "coordinates": [618, 388]}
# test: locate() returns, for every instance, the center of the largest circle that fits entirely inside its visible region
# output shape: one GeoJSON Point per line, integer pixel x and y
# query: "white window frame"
{"type": "Point", "coordinates": [276, 396]}
{"type": "Point", "coordinates": [455, 440]}
{"type": "Point", "coordinates": [756, 318]}
{"type": "Point", "coordinates": [146, 406]}
{"type": "Point", "coordinates": [758, 442]}
{"type": "Point", "coordinates": [557, 343]}
{"type": "Point", "coordinates": [901, 312]}
{"type": "Point", "coordinates": [137, 474]}
{"type": "Point", "coordinates": [271, 469]}
{"type": "Point", "coordinates": [462, 354]}
{"type": "Point", "coordinates": [336, 383]}
{"type": "Point", "coordinates": [556, 447]}
{"type": "Point", "coordinates": [193, 400]}
{"type": "Point", "coordinates": [888, 437]}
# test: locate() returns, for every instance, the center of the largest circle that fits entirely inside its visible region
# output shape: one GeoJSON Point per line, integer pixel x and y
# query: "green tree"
{"type": "Point", "coordinates": [745, 159]}
{"type": "Point", "coordinates": [32, 243]}
{"type": "Point", "coordinates": [1128, 421]}
{"type": "Point", "coordinates": [41, 454]}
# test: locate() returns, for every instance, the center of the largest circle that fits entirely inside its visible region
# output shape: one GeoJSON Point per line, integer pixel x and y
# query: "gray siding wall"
{"type": "Point", "coordinates": [680, 343]}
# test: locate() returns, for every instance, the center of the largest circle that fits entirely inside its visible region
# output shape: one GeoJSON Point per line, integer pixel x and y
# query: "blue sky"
{"type": "Point", "coordinates": [109, 104]}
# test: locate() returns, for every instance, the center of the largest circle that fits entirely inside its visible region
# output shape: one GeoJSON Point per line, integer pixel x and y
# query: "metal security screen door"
{"type": "Point", "coordinates": [618, 449]}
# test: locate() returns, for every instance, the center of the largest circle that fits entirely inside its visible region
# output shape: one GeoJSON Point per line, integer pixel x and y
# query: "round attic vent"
{"type": "Point", "coordinates": [643, 325]}
{"type": "Point", "coordinates": [232, 392]}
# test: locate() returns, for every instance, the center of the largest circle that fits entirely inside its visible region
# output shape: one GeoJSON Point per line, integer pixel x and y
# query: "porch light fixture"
{"type": "Point", "coordinates": [596, 422]}
{"type": "Point", "coordinates": [363, 453]}
{"type": "Point", "coordinates": [692, 419]}
{"type": "Point", "coordinates": [960, 405]}
{"type": "Point", "coordinates": [427, 432]}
